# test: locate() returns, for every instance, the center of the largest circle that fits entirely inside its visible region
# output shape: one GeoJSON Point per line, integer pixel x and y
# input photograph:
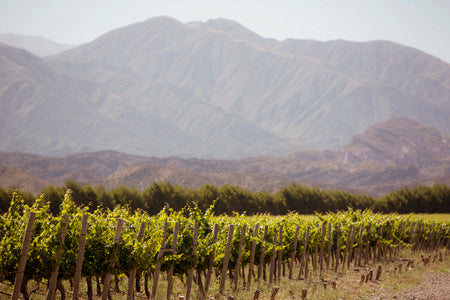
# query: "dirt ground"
{"type": "Point", "coordinates": [421, 283]}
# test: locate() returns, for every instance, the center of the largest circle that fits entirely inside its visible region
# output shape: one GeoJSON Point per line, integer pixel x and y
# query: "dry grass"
{"type": "Point", "coordinates": [348, 283]}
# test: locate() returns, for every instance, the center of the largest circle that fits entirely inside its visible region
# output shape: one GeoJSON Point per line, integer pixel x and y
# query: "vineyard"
{"type": "Point", "coordinates": [190, 252]}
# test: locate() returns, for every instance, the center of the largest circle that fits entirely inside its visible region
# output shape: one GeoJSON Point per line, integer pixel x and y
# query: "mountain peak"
{"type": "Point", "coordinates": [162, 21]}
{"type": "Point", "coordinates": [231, 27]}
{"type": "Point", "coordinates": [401, 141]}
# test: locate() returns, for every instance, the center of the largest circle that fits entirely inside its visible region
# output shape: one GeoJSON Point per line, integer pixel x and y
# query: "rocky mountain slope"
{"type": "Point", "coordinates": [213, 89]}
{"type": "Point", "coordinates": [387, 156]}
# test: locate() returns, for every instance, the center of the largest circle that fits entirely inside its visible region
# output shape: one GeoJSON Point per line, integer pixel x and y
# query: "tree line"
{"type": "Point", "coordinates": [229, 198]}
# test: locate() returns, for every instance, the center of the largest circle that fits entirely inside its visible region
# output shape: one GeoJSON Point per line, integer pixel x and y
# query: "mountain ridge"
{"type": "Point", "coordinates": [375, 174]}
{"type": "Point", "coordinates": [216, 89]}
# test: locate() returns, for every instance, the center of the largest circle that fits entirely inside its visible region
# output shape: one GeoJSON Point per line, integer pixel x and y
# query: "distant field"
{"type": "Point", "coordinates": [431, 217]}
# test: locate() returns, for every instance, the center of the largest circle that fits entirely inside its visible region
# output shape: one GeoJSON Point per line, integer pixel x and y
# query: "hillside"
{"type": "Point", "coordinates": [18, 179]}
{"type": "Point", "coordinates": [213, 90]}
{"type": "Point", "coordinates": [386, 157]}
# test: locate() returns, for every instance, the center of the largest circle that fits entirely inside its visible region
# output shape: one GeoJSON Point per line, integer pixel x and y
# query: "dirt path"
{"type": "Point", "coordinates": [430, 284]}
{"type": "Point", "coordinates": [433, 286]}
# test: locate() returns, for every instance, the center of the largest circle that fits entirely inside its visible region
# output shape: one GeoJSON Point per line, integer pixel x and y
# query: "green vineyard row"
{"type": "Point", "coordinates": [391, 230]}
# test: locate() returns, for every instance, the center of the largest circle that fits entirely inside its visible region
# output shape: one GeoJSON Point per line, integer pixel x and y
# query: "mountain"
{"type": "Point", "coordinates": [18, 179]}
{"type": "Point", "coordinates": [37, 45]}
{"type": "Point", "coordinates": [217, 90]}
{"type": "Point", "coordinates": [46, 110]}
{"type": "Point", "coordinates": [400, 141]}
{"type": "Point", "coordinates": [387, 156]}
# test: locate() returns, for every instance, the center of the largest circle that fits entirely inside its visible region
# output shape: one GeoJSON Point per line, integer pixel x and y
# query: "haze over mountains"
{"type": "Point", "coordinates": [37, 45]}
{"type": "Point", "coordinates": [212, 89]}
{"type": "Point", "coordinates": [386, 157]}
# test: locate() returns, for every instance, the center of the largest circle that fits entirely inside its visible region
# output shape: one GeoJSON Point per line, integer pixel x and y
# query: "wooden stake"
{"type": "Point", "coordinates": [367, 243]}
{"type": "Point", "coordinates": [211, 259]}
{"type": "Point", "coordinates": [322, 244]}
{"type": "Point", "coordinates": [54, 275]}
{"type": "Point", "coordinates": [252, 256]}
{"type": "Point", "coordinates": [191, 270]}
{"type": "Point", "coordinates": [316, 250]}
{"type": "Point", "coordinates": [238, 261]}
{"type": "Point", "coordinates": [172, 266]}
{"type": "Point", "coordinates": [361, 231]}
{"type": "Point", "coordinates": [261, 255]}
{"type": "Point", "coordinates": [304, 251]}
{"type": "Point", "coordinates": [23, 256]}
{"type": "Point", "coordinates": [274, 293]}
{"type": "Point", "coordinates": [377, 277]}
{"type": "Point", "coordinates": [338, 247]}
{"type": "Point", "coordinates": [347, 247]}
{"type": "Point", "coordinates": [223, 275]}
{"type": "Point", "coordinates": [80, 257]}
{"type": "Point", "coordinates": [158, 262]}
{"type": "Point", "coordinates": [280, 252]}
{"type": "Point", "coordinates": [256, 295]}
{"type": "Point", "coordinates": [294, 252]}
{"type": "Point", "coordinates": [272, 260]}
{"type": "Point", "coordinates": [330, 241]}
{"type": "Point", "coordinates": [107, 280]}
{"type": "Point", "coordinates": [350, 253]}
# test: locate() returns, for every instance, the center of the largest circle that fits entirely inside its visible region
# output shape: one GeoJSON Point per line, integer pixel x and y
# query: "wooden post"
{"type": "Point", "coordinates": [226, 259]}
{"type": "Point", "coordinates": [107, 280]}
{"type": "Point", "coordinates": [330, 241]}
{"type": "Point", "coordinates": [316, 249]}
{"type": "Point", "coordinates": [272, 260]}
{"type": "Point", "coordinates": [238, 261]}
{"type": "Point", "coordinates": [380, 246]}
{"type": "Point", "coordinates": [80, 257]}
{"type": "Point", "coordinates": [158, 263]}
{"type": "Point", "coordinates": [252, 256]}
{"type": "Point", "coordinates": [338, 247]}
{"type": "Point", "coordinates": [191, 270]}
{"type": "Point", "coordinates": [361, 231]}
{"type": "Point", "coordinates": [174, 252]}
{"type": "Point", "coordinates": [294, 252]}
{"type": "Point", "coordinates": [132, 276]}
{"type": "Point", "coordinates": [262, 253]}
{"type": "Point", "coordinates": [211, 259]}
{"type": "Point", "coordinates": [377, 277]}
{"type": "Point", "coordinates": [322, 244]}
{"type": "Point", "coordinates": [23, 256]}
{"type": "Point", "coordinates": [256, 295]}
{"type": "Point", "coordinates": [350, 253]}
{"type": "Point", "coordinates": [438, 239]}
{"type": "Point", "coordinates": [367, 242]}
{"type": "Point", "coordinates": [274, 293]}
{"type": "Point", "coordinates": [54, 275]}
{"type": "Point", "coordinates": [305, 249]}
{"type": "Point", "coordinates": [280, 252]}
{"type": "Point", "coordinates": [411, 235]}
{"type": "Point", "coordinates": [347, 247]}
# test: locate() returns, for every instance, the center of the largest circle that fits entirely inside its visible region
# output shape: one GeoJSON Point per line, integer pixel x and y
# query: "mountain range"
{"type": "Point", "coordinates": [216, 90]}
{"type": "Point", "coordinates": [388, 156]}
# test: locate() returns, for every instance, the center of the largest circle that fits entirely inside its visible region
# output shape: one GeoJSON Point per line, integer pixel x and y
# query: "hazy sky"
{"type": "Point", "coordinates": [423, 24]}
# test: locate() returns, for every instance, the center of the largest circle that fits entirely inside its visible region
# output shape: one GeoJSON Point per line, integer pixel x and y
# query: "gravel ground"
{"type": "Point", "coordinates": [435, 286]}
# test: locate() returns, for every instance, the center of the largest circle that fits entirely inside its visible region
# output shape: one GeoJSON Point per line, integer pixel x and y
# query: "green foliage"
{"type": "Point", "coordinates": [102, 255]}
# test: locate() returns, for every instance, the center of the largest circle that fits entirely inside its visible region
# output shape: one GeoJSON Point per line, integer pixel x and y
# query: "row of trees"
{"type": "Point", "coordinates": [228, 199]}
